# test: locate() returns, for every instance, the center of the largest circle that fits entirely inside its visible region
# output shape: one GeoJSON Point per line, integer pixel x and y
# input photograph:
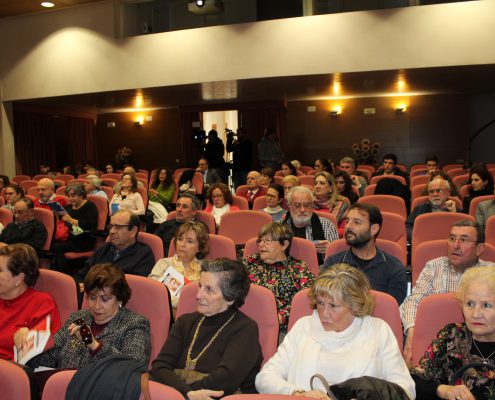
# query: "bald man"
{"type": "Point", "coordinates": [49, 200]}
{"type": "Point", "coordinates": [253, 189]}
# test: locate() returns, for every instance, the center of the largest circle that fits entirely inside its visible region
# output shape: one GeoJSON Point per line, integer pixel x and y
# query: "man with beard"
{"type": "Point", "coordinates": [386, 273]}
{"type": "Point", "coordinates": [306, 224]}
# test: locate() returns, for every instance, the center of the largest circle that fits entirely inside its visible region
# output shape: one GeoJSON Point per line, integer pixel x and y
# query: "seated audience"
{"type": "Point", "coordinates": [267, 175]}
{"type": "Point", "coordinates": [432, 165]}
{"type": "Point", "coordinates": [103, 329]}
{"type": "Point", "coordinates": [12, 194]}
{"type": "Point", "coordinates": [308, 225]}
{"type": "Point", "coordinates": [127, 198]}
{"type": "Point", "coordinates": [25, 229]}
{"type": "Point", "coordinates": [274, 268]}
{"type": "Point", "coordinates": [274, 200]}
{"type": "Point", "coordinates": [67, 170]}
{"type": "Point", "coordinates": [438, 201]}
{"type": "Point", "coordinates": [187, 206]}
{"type": "Point", "coordinates": [92, 187]}
{"type": "Point", "coordinates": [122, 249]}
{"type": "Point", "coordinates": [185, 182]}
{"type": "Point", "coordinates": [253, 189]}
{"type": "Point", "coordinates": [288, 182]}
{"type": "Point", "coordinates": [390, 168]}
{"type": "Point", "coordinates": [484, 211]}
{"type": "Point", "coordinates": [53, 202]}
{"type": "Point", "coordinates": [442, 175]}
{"type": "Point", "coordinates": [288, 169]}
{"type": "Point", "coordinates": [160, 194]}
{"type": "Point", "coordinates": [385, 272]}
{"type": "Point", "coordinates": [191, 246]}
{"type": "Point", "coordinates": [348, 165]}
{"type": "Point", "coordinates": [460, 344]}
{"type": "Point", "coordinates": [214, 351]}
{"type": "Point", "coordinates": [210, 175]}
{"type": "Point", "coordinates": [82, 219]}
{"type": "Point", "coordinates": [340, 340]}
{"type": "Point", "coordinates": [328, 199]}
{"type": "Point", "coordinates": [322, 164]}
{"type": "Point", "coordinates": [21, 307]}
{"type": "Point", "coordinates": [481, 185]}
{"type": "Point", "coordinates": [109, 169]}
{"type": "Point", "coordinates": [443, 274]}
{"type": "Point", "coordinates": [345, 186]}
{"type": "Point", "coordinates": [220, 201]}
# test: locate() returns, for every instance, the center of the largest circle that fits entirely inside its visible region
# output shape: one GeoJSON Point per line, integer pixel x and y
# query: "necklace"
{"type": "Point", "coordinates": [191, 362]}
{"type": "Point", "coordinates": [485, 359]}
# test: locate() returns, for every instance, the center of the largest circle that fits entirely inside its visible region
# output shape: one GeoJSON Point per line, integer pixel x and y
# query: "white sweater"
{"type": "Point", "coordinates": [367, 347]}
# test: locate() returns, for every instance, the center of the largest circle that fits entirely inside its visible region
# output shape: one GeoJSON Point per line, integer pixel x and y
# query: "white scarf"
{"type": "Point", "coordinates": [218, 212]}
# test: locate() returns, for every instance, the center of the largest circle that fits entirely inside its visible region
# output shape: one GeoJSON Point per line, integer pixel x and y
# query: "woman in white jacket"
{"type": "Point", "coordinates": [340, 340]}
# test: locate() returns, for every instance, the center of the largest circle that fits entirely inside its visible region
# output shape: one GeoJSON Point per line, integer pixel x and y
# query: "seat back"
{"type": "Point", "coordinates": [389, 247]}
{"type": "Point", "coordinates": [394, 229]}
{"type": "Point", "coordinates": [385, 202]}
{"type": "Point", "coordinates": [197, 182]}
{"type": "Point", "coordinates": [111, 175]}
{"type": "Point", "coordinates": [419, 180]}
{"type": "Point", "coordinates": [447, 167]}
{"type": "Point", "coordinates": [307, 180]}
{"type": "Point", "coordinates": [434, 312]}
{"type": "Point", "coordinates": [144, 195]}
{"type": "Point", "coordinates": [65, 177]}
{"type": "Point", "coordinates": [60, 191]}
{"type": "Point", "coordinates": [202, 216]}
{"type": "Point", "coordinates": [434, 226]}
{"type": "Point", "coordinates": [14, 381]}
{"type": "Point", "coordinates": [81, 180]}
{"type": "Point", "coordinates": [154, 242]}
{"type": "Point", "coordinates": [41, 176]}
{"type": "Point", "coordinates": [240, 189]}
{"type": "Point", "coordinates": [370, 189]}
{"type": "Point", "coordinates": [150, 299]}
{"type": "Point", "coordinates": [259, 203]}
{"type": "Point", "coordinates": [378, 178]}
{"type": "Point", "coordinates": [490, 230]}
{"type": "Point", "coordinates": [20, 178]}
{"type": "Point", "coordinates": [47, 218]}
{"type": "Point", "coordinates": [327, 215]}
{"type": "Point", "coordinates": [6, 217]}
{"type": "Point", "coordinates": [220, 246]}
{"type": "Point", "coordinates": [260, 305]}
{"type": "Point", "coordinates": [109, 183]}
{"type": "Point", "coordinates": [240, 202]}
{"type": "Point", "coordinates": [102, 205]}
{"type": "Point", "coordinates": [33, 191]}
{"type": "Point", "coordinates": [160, 391]}
{"type": "Point", "coordinates": [386, 308]}
{"type": "Point", "coordinates": [27, 184]}
{"type": "Point", "coordinates": [108, 191]}
{"type": "Point", "coordinates": [424, 252]}
{"type": "Point", "coordinates": [477, 200]}
{"type": "Point", "coordinates": [62, 288]}
{"type": "Point", "coordinates": [300, 249]}
{"type": "Point", "coordinates": [418, 170]}
{"type": "Point", "coordinates": [251, 222]}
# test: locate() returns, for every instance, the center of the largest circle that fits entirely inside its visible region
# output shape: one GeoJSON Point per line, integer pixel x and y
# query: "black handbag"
{"type": "Point", "coordinates": [363, 388]}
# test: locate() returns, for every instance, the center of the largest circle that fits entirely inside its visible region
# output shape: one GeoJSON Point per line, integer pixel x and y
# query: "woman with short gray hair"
{"type": "Point", "coordinates": [93, 185]}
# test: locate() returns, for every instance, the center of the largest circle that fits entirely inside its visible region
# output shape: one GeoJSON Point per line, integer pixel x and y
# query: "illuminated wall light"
{"type": "Point", "coordinates": [336, 110]}
{"type": "Point", "coordinates": [139, 121]}
{"type": "Point", "coordinates": [138, 101]}
{"type": "Point", "coordinates": [400, 108]}
{"type": "Point", "coordinates": [47, 4]}
{"type": "Point", "coordinates": [336, 88]}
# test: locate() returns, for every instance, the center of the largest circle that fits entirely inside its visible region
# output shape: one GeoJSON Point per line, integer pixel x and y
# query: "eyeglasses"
{"type": "Point", "coordinates": [117, 227]}
{"type": "Point", "coordinates": [20, 212]}
{"type": "Point", "coordinates": [301, 205]}
{"type": "Point", "coordinates": [264, 241]}
{"type": "Point", "coordinates": [462, 240]}
{"type": "Point", "coordinates": [9, 193]}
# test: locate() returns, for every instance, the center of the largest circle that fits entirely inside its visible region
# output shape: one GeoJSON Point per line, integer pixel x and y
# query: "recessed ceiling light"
{"type": "Point", "coordinates": [47, 4]}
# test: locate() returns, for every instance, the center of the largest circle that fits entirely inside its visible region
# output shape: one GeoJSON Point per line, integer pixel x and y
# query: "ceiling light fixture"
{"type": "Point", "coordinates": [200, 3]}
{"type": "Point", "coordinates": [47, 4]}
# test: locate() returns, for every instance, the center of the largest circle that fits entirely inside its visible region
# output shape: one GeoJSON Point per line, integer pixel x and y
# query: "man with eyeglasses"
{"type": "Point", "coordinates": [443, 274]}
{"type": "Point", "coordinates": [123, 249]}
{"type": "Point", "coordinates": [12, 194]}
{"type": "Point", "coordinates": [438, 201]}
{"type": "Point", "coordinates": [25, 229]}
{"type": "Point", "coordinates": [308, 225]}
{"type": "Point", "coordinates": [253, 188]}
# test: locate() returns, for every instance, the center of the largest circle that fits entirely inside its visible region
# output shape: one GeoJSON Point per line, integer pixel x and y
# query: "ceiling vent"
{"type": "Point", "coordinates": [210, 7]}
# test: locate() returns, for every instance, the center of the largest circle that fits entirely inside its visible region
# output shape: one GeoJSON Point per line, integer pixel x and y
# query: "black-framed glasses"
{"type": "Point", "coordinates": [117, 227]}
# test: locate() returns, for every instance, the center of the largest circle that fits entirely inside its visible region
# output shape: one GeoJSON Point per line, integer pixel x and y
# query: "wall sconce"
{"type": "Point", "coordinates": [336, 111]}
{"type": "Point", "coordinates": [200, 3]}
{"type": "Point", "coordinates": [139, 121]}
{"type": "Point", "coordinates": [401, 109]}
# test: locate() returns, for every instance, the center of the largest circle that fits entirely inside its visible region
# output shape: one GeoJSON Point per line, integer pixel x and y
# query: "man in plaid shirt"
{"type": "Point", "coordinates": [443, 274]}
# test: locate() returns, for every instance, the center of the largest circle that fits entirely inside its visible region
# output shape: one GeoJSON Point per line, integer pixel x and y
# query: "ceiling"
{"type": "Point", "coordinates": [11, 8]}
{"type": "Point", "coordinates": [448, 80]}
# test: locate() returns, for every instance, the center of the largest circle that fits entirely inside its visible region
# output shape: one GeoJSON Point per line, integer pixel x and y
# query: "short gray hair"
{"type": "Point", "coordinates": [94, 180]}
{"type": "Point", "coordinates": [303, 189]}
{"type": "Point", "coordinates": [77, 188]}
{"type": "Point", "coordinates": [195, 202]}
{"type": "Point", "coordinates": [446, 183]}
{"type": "Point", "coordinates": [348, 159]}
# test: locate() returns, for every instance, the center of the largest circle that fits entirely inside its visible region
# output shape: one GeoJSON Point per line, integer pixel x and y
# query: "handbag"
{"type": "Point", "coordinates": [363, 388]}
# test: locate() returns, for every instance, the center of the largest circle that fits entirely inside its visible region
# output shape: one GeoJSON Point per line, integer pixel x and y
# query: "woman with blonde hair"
{"type": "Point", "coordinates": [340, 340]}
{"type": "Point", "coordinates": [327, 198]}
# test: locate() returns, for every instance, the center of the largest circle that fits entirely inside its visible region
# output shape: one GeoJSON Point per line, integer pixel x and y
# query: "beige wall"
{"type": "Point", "coordinates": [73, 50]}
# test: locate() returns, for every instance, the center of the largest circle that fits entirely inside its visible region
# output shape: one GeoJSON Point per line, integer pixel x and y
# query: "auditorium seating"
{"type": "Point", "coordinates": [14, 382]}
{"type": "Point", "coordinates": [384, 202]}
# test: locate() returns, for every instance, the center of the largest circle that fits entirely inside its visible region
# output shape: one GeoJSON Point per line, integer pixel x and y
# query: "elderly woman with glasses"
{"type": "Point", "coordinates": [274, 268]}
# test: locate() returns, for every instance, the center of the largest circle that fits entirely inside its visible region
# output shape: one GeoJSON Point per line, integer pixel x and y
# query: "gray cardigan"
{"type": "Point", "coordinates": [127, 333]}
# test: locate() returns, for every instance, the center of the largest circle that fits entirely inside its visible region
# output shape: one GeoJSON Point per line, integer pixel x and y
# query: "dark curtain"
{"type": "Point", "coordinates": [34, 141]}
{"type": "Point", "coordinates": [54, 139]}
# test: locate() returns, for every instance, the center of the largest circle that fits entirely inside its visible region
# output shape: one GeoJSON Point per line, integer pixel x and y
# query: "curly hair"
{"type": "Point", "coordinates": [227, 194]}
